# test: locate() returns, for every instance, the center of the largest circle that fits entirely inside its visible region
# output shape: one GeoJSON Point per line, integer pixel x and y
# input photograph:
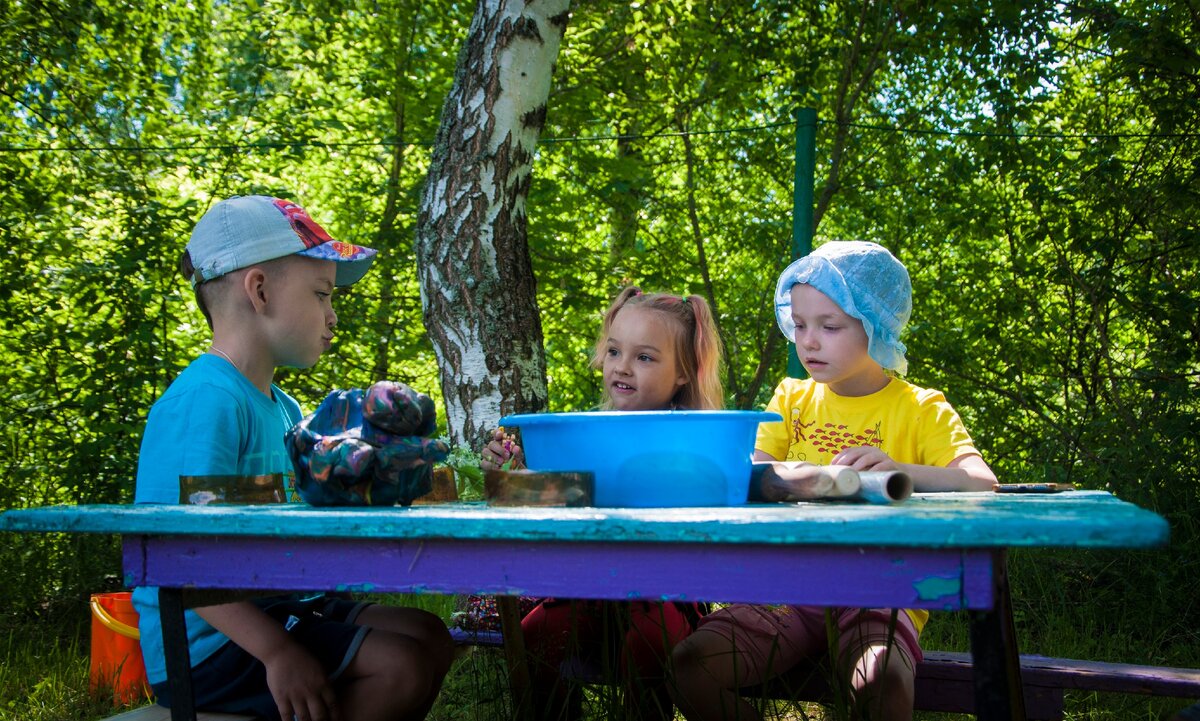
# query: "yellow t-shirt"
{"type": "Point", "coordinates": [909, 423]}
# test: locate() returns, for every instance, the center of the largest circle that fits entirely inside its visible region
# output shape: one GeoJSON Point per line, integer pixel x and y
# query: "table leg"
{"type": "Point", "coordinates": [175, 648]}
{"type": "Point", "coordinates": [509, 609]}
{"type": "Point", "coordinates": [999, 695]}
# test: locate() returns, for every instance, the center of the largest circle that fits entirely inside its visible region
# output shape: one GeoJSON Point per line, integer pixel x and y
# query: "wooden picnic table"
{"type": "Point", "coordinates": [937, 551]}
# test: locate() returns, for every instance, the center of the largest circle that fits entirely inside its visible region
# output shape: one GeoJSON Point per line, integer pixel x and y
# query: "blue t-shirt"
{"type": "Point", "coordinates": [211, 422]}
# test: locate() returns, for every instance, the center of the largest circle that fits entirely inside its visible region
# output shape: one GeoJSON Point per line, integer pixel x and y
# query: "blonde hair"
{"type": "Point", "coordinates": [697, 345]}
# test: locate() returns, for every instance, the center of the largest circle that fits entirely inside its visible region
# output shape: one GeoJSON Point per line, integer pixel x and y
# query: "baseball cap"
{"type": "Point", "coordinates": [867, 283]}
{"type": "Point", "coordinates": [247, 229]}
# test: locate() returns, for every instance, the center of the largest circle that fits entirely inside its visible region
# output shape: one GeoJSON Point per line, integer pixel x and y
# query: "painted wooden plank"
{"type": "Point", "coordinates": [1111, 677]}
{"type": "Point", "coordinates": [160, 713]}
{"type": "Point", "coordinates": [1090, 519]}
{"type": "Point", "coordinates": [533, 488]}
{"type": "Point", "coordinates": [945, 682]}
{"type": "Point", "coordinates": [1072, 674]}
{"type": "Point", "coordinates": [908, 578]}
{"type": "Point", "coordinates": [464, 637]}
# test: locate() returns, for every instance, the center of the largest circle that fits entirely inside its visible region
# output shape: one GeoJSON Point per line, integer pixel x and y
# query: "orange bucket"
{"type": "Point", "coordinates": [116, 662]}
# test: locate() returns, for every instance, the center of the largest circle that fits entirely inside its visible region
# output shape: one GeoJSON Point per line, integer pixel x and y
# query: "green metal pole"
{"type": "Point", "coordinates": [802, 202]}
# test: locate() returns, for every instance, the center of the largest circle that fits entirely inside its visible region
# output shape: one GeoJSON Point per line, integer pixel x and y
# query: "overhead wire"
{"type": "Point", "coordinates": [285, 144]}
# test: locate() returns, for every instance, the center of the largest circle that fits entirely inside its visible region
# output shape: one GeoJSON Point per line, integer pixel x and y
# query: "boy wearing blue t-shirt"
{"type": "Point", "coordinates": [264, 274]}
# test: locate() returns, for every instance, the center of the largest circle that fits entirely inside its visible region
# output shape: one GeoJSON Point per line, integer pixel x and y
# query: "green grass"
{"type": "Point", "coordinates": [44, 676]}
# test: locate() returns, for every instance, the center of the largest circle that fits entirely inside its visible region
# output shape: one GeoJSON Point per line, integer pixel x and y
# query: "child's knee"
{"type": "Point", "coordinates": [436, 638]}
{"type": "Point", "coordinates": [439, 645]}
{"type": "Point", "coordinates": [695, 653]}
{"type": "Point", "coordinates": [650, 640]}
{"type": "Point", "coordinates": [883, 679]}
{"type": "Point", "coordinates": [397, 661]}
{"type": "Point", "coordinates": [889, 697]}
{"type": "Point", "coordinates": [552, 633]}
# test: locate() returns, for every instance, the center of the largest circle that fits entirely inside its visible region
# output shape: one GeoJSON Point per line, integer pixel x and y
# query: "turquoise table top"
{"type": "Point", "coordinates": [1079, 519]}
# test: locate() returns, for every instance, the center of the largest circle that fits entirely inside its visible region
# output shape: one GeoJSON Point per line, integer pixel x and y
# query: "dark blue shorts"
{"type": "Point", "coordinates": [233, 681]}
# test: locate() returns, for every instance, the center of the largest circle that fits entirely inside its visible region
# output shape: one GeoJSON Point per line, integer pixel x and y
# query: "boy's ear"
{"type": "Point", "coordinates": [254, 283]}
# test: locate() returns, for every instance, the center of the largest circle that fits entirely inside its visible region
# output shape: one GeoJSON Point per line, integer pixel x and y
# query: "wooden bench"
{"type": "Point", "coordinates": [945, 680]}
{"type": "Point", "coordinates": [159, 713]}
{"type": "Point", "coordinates": [944, 683]}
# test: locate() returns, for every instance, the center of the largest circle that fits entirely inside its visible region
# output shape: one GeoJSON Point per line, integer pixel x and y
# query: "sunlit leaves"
{"type": "Point", "coordinates": [1034, 164]}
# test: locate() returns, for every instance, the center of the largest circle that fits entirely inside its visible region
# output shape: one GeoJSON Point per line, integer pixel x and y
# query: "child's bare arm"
{"type": "Point", "coordinates": [978, 471]}
{"type": "Point", "coordinates": [294, 677]}
{"type": "Point", "coordinates": [762, 456]}
{"type": "Point", "coordinates": [965, 473]}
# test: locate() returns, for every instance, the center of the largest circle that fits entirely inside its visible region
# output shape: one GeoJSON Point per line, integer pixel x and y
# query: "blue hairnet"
{"type": "Point", "coordinates": [867, 282]}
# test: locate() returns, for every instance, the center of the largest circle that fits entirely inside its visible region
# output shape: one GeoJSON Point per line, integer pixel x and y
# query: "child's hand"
{"type": "Point", "coordinates": [299, 685]}
{"type": "Point", "coordinates": [502, 452]}
{"type": "Point", "coordinates": [865, 458]}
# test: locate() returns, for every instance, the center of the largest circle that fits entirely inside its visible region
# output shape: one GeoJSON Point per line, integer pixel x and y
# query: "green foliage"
{"type": "Point", "coordinates": [468, 476]}
{"type": "Point", "coordinates": [1033, 164]}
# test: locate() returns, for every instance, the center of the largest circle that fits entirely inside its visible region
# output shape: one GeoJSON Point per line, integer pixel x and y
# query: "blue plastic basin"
{"type": "Point", "coordinates": [648, 459]}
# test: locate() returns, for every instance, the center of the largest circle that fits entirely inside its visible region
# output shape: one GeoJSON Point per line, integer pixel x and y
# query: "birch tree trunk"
{"type": "Point", "coordinates": [477, 284]}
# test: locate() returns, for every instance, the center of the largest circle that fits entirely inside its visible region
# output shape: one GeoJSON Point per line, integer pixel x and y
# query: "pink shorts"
{"type": "Point", "coordinates": [773, 639]}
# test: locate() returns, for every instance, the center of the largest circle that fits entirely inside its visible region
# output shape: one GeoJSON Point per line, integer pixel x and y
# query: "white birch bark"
{"type": "Point", "coordinates": [477, 284]}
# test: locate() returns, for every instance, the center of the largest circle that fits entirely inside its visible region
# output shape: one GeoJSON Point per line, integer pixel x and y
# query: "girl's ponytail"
{"type": "Point", "coordinates": [706, 348]}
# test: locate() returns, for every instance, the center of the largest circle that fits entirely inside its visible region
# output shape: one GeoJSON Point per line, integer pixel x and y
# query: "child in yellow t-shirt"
{"type": "Point", "coordinates": [844, 305]}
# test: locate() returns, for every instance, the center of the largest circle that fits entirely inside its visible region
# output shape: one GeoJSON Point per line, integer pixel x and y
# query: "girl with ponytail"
{"type": "Point", "coordinates": [657, 352]}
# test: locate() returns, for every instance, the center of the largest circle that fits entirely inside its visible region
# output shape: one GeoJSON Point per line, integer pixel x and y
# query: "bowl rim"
{"type": "Point", "coordinates": [564, 417]}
